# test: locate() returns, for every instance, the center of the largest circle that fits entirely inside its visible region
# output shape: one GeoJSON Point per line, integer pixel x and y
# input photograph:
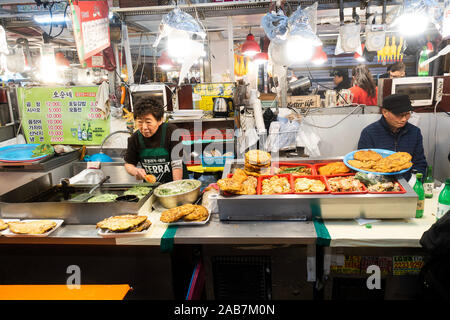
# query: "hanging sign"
{"type": "Point", "coordinates": [90, 26]}
{"type": "Point", "coordinates": [62, 115]}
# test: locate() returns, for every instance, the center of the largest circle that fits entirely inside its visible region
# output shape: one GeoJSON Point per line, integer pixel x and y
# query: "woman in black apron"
{"type": "Point", "coordinates": [151, 145]}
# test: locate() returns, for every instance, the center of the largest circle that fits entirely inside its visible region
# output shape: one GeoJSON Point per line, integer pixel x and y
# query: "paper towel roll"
{"type": "Point", "coordinates": [257, 112]}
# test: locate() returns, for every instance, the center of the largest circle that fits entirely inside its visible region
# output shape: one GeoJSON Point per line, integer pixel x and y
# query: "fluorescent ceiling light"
{"type": "Point", "coordinates": [56, 18]}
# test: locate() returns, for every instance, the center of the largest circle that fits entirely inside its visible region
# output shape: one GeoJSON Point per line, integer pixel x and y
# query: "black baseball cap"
{"type": "Point", "coordinates": [397, 103]}
{"type": "Point", "coordinates": [339, 72]}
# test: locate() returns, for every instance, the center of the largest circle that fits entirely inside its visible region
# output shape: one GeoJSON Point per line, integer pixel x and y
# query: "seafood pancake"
{"type": "Point", "coordinates": [369, 155]}
{"type": "Point", "coordinates": [200, 213]}
{"type": "Point", "coordinates": [3, 225]}
{"type": "Point", "coordinates": [177, 213]}
{"type": "Point", "coordinates": [257, 157]}
{"type": "Point", "coordinates": [121, 223]}
{"type": "Point", "coordinates": [31, 227]}
{"type": "Point", "coordinates": [143, 226]}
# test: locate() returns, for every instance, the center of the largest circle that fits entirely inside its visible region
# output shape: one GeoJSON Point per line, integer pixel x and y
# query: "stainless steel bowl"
{"type": "Point", "coordinates": [172, 201]}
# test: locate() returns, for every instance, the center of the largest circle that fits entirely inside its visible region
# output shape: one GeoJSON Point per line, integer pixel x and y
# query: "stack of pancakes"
{"type": "Point", "coordinates": [186, 212]}
{"type": "Point", "coordinates": [257, 163]}
{"type": "Point", "coordinates": [373, 161]}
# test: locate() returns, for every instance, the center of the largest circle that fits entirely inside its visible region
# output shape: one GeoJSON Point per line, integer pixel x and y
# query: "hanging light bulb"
{"type": "Point", "coordinates": [299, 49]}
{"type": "Point", "coordinates": [411, 23]}
{"type": "Point", "coordinates": [320, 57]}
{"type": "Point", "coordinates": [164, 62]}
{"type": "Point", "coordinates": [260, 57]}
{"type": "Point", "coordinates": [179, 44]}
{"type": "Point", "coordinates": [250, 46]}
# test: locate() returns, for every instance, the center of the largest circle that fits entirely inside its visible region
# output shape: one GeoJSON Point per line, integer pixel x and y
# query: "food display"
{"type": "Point", "coordinates": [106, 197]}
{"type": "Point", "coordinates": [177, 187]}
{"type": "Point", "coordinates": [333, 168]}
{"type": "Point", "coordinates": [275, 185]}
{"type": "Point", "coordinates": [125, 223]}
{"type": "Point", "coordinates": [296, 171]}
{"type": "Point", "coordinates": [137, 191]}
{"type": "Point", "coordinates": [308, 185]}
{"type": "Point", "coordinates": [373, 161]}
{"type": "Point", "coordinates": [257, 163]}
{"type": "Point", "coordinates": [239, 183]}
{"type": "Point", "coordinates": [42, 150]}
{"type": "Point", "coordinates": [31, 227]}
{"type": "Point", "coordinates": [3, 225]}
{"type": "Point", "coordinates": [186, 212]}
{"type": "Point", "coordinates": [345, 184]}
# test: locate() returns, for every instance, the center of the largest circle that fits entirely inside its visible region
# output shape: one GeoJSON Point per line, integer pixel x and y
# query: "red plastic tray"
{"type": "Point", "coordinates": [315, 177]}
{"type": "Point", "coordinates": [318, 165]}
{"type": "Point", "coordinates": [345, 175]}
{"type": "Point", "coordinates": [389, 192]}
{"type": "Point", "coordinates": [293, 164]}
{"type": "Point", "coordinates": [261, 178]}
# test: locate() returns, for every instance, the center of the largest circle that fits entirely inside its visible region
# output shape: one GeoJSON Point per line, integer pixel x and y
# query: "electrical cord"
{"type": "Point", "coordinates": [318, 84]}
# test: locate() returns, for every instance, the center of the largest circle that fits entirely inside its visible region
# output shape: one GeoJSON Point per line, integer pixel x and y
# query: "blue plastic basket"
{"type": "Point", "coordinates": [215, 161]}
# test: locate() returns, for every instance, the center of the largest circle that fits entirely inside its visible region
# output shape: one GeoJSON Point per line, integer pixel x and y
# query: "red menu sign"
{"type": "Point", "coordinates": [91, 27]}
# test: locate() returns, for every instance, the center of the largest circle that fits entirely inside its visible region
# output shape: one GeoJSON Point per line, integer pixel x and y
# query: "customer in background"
{"type": "Point", "coordinates": [340, 79]}
{"type": "Point", "coordinates": [364, 89]}
{"type": "Point", "coordinates": [394, 132]}
{"type": "Point", "coordinates": [397, 70]}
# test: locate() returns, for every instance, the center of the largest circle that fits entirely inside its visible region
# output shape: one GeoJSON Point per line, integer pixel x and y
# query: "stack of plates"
{"type": "Point", "coordinates": [187, 114]}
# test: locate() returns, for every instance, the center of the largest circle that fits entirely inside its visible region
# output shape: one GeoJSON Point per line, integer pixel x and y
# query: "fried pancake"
{"type": "Point", "coordinates": [400, 156]}
{"type": "Point", "coordinates": [143, 226]}
{"type": "Point", "coordinates": [200, 213]}
{"type": "Point", "coordinates": [251, 167]}
{"type": "Point", "coordinates": [257, 157]}
{"type": "Point", "coordinates": [3, 225]}
{"type": "Point", "coordinates": [333, 168]}
{"type": "Point", "coordinates": [121, 223]}
{"type": "Point", "coordinates": [229, 185]}
{"type": "Point", "coordinates": [361, 164]}
{"type": "Point", "coordinates": [249, 186]}
{"type": "Point", "coordinates": [369, 155]}
{"type": "Point", "coordinates": [31, 227]}
{"type": "Point", "coordinates": [176, 213]}
{"type": "Point", "coordinates": [393, 163]}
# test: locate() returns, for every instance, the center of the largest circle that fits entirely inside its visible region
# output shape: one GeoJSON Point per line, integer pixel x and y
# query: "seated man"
{"type": "Point", "coordinates": [393, 132]}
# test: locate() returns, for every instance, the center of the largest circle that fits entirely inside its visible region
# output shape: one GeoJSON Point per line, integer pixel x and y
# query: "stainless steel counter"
{"type": "Point", "coordinates": [12, 180]}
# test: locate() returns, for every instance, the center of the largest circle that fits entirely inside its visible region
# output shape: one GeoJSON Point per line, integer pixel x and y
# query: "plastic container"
{"type": "Point", "coordinates": [293, 164]}
{"type": "Point", "coordinates": [363, 191]}
{"type": "Point", "coordinates": [261, 178]}
{"type": "Point", "coordinates": [315, 177]}
{"type": "Point", "coordinates": [214, 161]}
{"type": "Point", "coordinates": [318, 165]}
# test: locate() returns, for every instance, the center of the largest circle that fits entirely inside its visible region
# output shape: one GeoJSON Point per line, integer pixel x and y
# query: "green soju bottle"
{"type": "Point", "coordinates": [428, 183]}
{"type": "Point", "coordinates": [418, 188]}
{"type": "Point", "coordinates": [444, 200]}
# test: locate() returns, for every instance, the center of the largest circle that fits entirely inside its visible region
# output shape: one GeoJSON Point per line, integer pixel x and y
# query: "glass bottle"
{"type": "Point", "coordinates": [418, 188]}
{"type": "Point", "coordinates": [423, 70]}
{"type": "Point", "coordinates": [89, 132]}
{"type": "Point", "coordinates": [428, 183]}
{"type": "Point", "coordinates": [83, 132]}
{"type": "Point", "coordinates": [444, 200]}
{"type": "Point", "coordinates": [412, 180]}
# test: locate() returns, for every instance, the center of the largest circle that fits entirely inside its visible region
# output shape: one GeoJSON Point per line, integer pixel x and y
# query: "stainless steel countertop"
{"type": "Point", "coordinates": [12, 180]}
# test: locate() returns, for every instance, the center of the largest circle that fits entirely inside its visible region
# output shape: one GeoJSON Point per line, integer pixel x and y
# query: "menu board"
{"type": "Point", "coordinates": [62, 115]}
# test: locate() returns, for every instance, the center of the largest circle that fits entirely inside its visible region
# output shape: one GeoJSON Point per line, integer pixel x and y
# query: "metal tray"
{"type": "Point", "coordinates": [305, 207]}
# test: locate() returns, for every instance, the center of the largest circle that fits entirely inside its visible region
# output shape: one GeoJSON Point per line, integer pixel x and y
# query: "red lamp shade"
{"type": "Point", "coordinates": [250, 46]}
{"type": "Point", "coordinates": [320, 57]}
{"type": "Point", "coordinates": [61, 60]}
{"type": "Point", "coordinates": [260, 57]}
{"type": "Point", "coordinates": [164, 62]}
{"type": "Point", "coordinates": [357, 56]}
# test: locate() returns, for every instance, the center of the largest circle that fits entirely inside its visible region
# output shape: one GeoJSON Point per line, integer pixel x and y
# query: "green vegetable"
{"type": "Point", "coordinates": [42, 150]}
{"type": "Point", "coordinates": [173, 188]}
{"type": "Point", "coordinates": [365, 179]}
{"type": "Point", "coordinates": [107, 197]}
{"type": "Point", "coordinates": [139, 192]}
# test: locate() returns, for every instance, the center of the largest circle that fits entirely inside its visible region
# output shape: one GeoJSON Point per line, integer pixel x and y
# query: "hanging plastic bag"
{"type": "Point", "coordinates": [275, 26]}
{"type": "Point", "coordinates": [300, 24]}
{"type": "Point", "coordinates": [349, 40]}
{"type": "Point", "coordinates": [308, 139]}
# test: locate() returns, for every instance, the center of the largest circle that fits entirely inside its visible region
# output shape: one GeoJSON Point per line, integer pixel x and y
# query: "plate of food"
{"type": "Point", "coordinates": [127, 225]}
{"type": "Point", "coordinates": [185, 215]}
{"type": "Point", "coordinates": [345, 184]}
{"type": "Point", "coordinates": [4, 224]}
{"type": "Point", "coordinates": [32, 227]}
{"type": "Point", "coordinates": [378, 161]}
{"type": "Point", "coordinates": [25, 152]}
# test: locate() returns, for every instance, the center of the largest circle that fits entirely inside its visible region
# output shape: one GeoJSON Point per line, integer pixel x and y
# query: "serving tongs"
{"type": "Point", "coordinates": [86, 196]}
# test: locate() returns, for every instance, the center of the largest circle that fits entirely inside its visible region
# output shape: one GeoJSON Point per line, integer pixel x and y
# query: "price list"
{"type": "Point", "coordinates": [62, 115]}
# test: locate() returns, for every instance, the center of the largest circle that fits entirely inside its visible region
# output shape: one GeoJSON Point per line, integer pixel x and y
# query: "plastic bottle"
{"type": "Point", "coordinates": [428, 183]}
{"type": "Point", "coordinates": [418, 188]}
{"type": "Point", "coordinates": [443, 201]}
{"type": "Point", "coordinates": [423, 70]}
{"type": "Point", "coordinates": [412, 180]}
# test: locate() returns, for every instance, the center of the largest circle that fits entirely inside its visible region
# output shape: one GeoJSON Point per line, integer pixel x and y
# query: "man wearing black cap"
{"type": "Point", "coordinates": [340, 79]}
{"type": "Point", "coordinates": [394, 132]}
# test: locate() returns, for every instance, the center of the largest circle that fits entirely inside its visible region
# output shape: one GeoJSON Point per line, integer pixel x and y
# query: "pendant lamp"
{"type": "Point", "coordinates": [250, 46]}
{"type": "Point", "coordinates": [164, 62]}
{"type": "Point", "coordinates": [260, 57]}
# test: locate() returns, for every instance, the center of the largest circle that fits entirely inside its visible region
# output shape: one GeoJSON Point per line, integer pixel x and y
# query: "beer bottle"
{"type": "Point", "coordinates": [418, 188]}
{"type": "Point", "coordinates": [428, 183]}
{"type": "Point", "coordinates": [444, 200]}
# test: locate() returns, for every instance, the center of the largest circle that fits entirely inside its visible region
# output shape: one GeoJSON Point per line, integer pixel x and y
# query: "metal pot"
{"type": "Point", "coordinates": [172, 201]}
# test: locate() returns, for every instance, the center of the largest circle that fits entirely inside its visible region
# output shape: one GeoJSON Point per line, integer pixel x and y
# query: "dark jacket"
{"type": "Point", "coordinates": [345, 84]}
{"type": "Point", "coordinates": [378, 135]}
